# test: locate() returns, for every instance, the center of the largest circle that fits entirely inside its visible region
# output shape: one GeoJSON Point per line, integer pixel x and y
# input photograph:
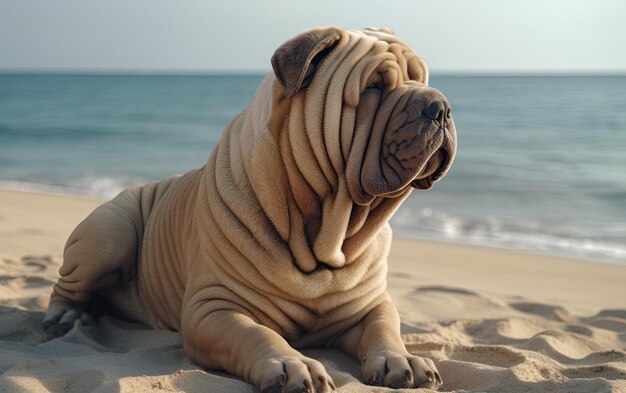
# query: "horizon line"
{"type": "Point", "coordinates": [259, 72]}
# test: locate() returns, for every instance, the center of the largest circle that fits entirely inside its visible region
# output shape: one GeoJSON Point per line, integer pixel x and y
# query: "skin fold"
{"type": "Point", "coordinates": [281, 240]}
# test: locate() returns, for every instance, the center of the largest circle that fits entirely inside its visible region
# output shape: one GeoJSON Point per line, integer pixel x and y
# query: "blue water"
{"type": "Point", "coordinates": [541, 164]}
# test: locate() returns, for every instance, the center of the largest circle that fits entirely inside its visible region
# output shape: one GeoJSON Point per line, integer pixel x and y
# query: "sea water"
{"type": "Point", "coordinates": [540, 167]}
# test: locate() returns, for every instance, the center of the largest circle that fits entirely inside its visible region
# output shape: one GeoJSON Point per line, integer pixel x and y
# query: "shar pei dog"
{"type": "Point", "coordinates": [281, 240]}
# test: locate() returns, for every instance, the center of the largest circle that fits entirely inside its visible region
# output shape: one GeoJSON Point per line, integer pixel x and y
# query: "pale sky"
{"type": "Point", "coordinates": [236, 36]}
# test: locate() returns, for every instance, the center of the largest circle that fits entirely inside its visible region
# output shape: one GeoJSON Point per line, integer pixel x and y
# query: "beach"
{"type": "Point", "coordinates": [492, 320]}
{"type": "Point", "coordinates": [489, 136]}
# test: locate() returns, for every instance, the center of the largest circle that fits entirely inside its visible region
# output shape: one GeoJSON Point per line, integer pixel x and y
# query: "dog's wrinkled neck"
{"type": "Point", "coordinates": [301, 180]}
{"type": "Point", "coordinates": [311, 209]}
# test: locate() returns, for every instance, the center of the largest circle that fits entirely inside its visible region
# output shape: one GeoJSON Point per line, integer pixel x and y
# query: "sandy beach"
{"type": "Point", "coordinates": [491, 320]}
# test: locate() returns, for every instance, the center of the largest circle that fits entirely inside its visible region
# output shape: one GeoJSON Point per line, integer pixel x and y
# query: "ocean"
{"type": "Point", "coordinates": [541, 162]}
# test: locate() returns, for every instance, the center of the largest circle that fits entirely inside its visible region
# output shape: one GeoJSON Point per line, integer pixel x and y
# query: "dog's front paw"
{"type": "Point", "coordinates": [287, 374]}
{"type": "Point", "coordinates": [399, 370]}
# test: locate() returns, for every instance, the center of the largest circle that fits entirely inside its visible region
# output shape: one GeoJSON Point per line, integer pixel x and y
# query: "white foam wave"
{"type": "Point", "coordinates": [102, 187]}
{"type": "Point", "coordinates": [529, 236]}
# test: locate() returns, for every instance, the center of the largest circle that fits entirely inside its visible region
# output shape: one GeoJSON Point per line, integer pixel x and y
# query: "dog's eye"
{"type": "Point", "coordinates": [374, 85]}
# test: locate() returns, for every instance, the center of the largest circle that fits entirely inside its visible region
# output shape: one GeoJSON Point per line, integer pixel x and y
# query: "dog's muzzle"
{"type": "Point", "coordinates": [437, 165]}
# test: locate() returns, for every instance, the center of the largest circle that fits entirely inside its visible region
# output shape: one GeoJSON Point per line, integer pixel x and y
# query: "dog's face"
{"type": "Point", "coordinates": [380, 125]}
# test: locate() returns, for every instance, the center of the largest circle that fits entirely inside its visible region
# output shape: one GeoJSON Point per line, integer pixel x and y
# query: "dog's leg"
{"type": "Point", "coordinates": [377, 343]}
{"type": "Point", "coordinates": [229, 340]}
{"type": "Point", "coordinates": [96, 254]}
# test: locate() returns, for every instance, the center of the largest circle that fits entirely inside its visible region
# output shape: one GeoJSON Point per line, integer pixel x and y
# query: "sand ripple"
{"type": "Point", "coordinates": [497, 345]}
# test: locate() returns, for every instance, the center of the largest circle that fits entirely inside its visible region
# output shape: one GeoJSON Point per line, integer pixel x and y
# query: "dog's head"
{"type": "Point", "coordinates": [368, 113]}
{"type": "Point", "coordinates": [338, 136]}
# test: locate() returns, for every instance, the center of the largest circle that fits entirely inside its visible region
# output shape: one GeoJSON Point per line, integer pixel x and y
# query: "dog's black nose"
{"type": "Point", "coordinates": [438, 110]}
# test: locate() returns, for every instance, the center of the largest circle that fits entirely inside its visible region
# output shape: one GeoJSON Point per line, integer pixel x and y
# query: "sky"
{"type": "Point", "coordinates": [480, 36]}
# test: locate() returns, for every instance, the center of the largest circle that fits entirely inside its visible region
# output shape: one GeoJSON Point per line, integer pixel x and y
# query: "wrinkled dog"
{"type": "Point", "coordinates": [280, 241]}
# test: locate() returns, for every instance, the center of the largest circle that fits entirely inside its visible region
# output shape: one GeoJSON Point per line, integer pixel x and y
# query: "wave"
{"type": "Point", "coordinates": [104, 187]}
{"type": "Point", "coordinates": [520, 235]}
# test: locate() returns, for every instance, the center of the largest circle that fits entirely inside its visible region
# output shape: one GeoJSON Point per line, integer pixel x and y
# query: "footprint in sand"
{"type": "Point", "coordinates": [606, 371]}
{"type": "Point", "coordinates": [614, 320]}
{"type": "Point", "coordinates": [491, 355]}
{"type": "Point", "coordinates": [505, 331]}
{"type": "Point", "coordinates": [578, 329]}
{"type": "Point", "coordinates": [39, 262]}
{"type": "Point", "coordinates": [547, 311]}
{"type": "Point", "coordinates": [30, 264]}
{"type": "Point", "coordinates": [570, 349]}
{"type": "Point", "coordinates": [24, 282]}
{"type": "Point", "coordinates": [439, 288]}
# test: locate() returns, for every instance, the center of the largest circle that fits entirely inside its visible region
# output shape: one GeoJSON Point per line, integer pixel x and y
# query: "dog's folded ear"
{"type": "Point", "coordinates": [295, 61]}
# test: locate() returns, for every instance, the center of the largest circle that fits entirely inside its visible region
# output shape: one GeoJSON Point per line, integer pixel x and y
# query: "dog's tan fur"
{"type": "Point", "coordinates": [280, 240]}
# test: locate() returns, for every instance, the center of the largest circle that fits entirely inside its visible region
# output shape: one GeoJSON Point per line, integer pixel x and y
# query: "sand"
{"type": "Point", "coordinates": [492, 320]}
